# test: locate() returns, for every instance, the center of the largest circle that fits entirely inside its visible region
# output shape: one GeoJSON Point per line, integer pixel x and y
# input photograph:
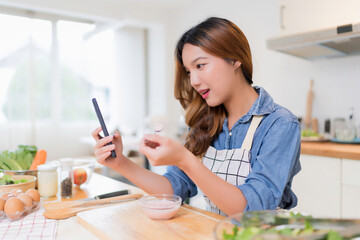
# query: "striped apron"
{"type": "Point", "coordinates": [231, 165]}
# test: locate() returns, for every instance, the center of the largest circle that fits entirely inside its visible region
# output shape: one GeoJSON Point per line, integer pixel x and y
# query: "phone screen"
{"type": "Point", "coordinates": [102, 123]}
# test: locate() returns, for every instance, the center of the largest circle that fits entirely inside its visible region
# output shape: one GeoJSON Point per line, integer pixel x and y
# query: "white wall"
{"type": "Point", "coordinates": [308, 15]}
{"type": "Point", "coordinates": [337, 80]}
{"type": "Point", "coordinates": [130, 108]}
{"type": "Point", "coordinates": [287, 78]}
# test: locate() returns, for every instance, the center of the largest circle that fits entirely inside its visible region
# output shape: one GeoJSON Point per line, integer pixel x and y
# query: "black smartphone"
{"type": "Point", "coordinates": [102, 123]}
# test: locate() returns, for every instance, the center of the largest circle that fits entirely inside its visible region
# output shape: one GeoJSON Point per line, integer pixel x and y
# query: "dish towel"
{"type": "Point", "coordinates": [32, 226]}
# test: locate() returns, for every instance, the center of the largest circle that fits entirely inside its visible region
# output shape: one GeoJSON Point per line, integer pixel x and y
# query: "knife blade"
{"type": "Point", "coordinates": [107, 195]}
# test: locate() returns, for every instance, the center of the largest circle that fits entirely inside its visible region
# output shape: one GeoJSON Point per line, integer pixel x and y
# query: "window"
{"type": "Point", "coordinates": [24, 68]}
{"type": "Point", "coordinates": [50, 70]}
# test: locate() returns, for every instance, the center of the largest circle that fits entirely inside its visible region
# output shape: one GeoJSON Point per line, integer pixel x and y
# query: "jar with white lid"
{"type": "Point", "coordinates": [48, 179]}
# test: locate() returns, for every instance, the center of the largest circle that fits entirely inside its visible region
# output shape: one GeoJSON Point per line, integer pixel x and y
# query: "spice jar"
{"type": "Point", "coordinates": [47, 179]}
{"type": "Point", "coordinates": [66, 177]}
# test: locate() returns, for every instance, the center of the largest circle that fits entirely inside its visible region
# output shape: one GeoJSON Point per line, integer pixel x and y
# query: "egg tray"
{"type": "Point", "coordinates": [20, 214]}
{"type": "Point", "coordinates": [17, 196]}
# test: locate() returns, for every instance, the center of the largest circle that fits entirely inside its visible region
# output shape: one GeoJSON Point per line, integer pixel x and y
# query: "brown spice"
{"type": "Point", "coordinates": [66, 187]}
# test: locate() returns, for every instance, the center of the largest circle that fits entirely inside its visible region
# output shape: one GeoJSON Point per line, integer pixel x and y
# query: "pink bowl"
{"type": "Point", "coordinates": [160, 206]}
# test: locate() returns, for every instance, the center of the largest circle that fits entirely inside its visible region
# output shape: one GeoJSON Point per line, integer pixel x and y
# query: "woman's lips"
{"type": "Point", "coordinates": [205, 93]}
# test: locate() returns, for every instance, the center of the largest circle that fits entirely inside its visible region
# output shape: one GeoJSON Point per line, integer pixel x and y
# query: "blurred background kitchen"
{"type": "Point", "coordinates": [57, 55]}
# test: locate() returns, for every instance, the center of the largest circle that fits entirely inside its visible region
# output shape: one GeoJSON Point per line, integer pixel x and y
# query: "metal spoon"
{"type": "Point", "coordinates": [158, 128]}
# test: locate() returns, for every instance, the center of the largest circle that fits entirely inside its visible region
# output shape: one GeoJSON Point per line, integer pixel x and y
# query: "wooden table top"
{"type": "Point", "coordinates": [100, 184]}
{"type": "Point", "coordinates": [330, 149]}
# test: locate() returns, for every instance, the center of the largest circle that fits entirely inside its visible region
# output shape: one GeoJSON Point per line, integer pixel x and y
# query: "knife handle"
{"type": "Point", "coordinates": [113, 194]}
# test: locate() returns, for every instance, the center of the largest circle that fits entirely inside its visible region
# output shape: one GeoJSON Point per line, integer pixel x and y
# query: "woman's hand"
{"type": "Point", "coordinates": [103, 151]}
{"type": "Point", "coordinates": [164, 151]}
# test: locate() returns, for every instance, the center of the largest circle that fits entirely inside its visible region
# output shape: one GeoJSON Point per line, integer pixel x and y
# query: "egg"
{"type": "Point", "coordinates": [6, 196]}
{"type": "Point", "coordinates": [14, 208]}
{"type": "Point", "coordinates": [2, 203]}
{"type": "Point", "coordinates": [16, 192]}
{"type": "Point", "coordinates": [27, 200]}
{"type": "Point", "coordinates": [34, 194]}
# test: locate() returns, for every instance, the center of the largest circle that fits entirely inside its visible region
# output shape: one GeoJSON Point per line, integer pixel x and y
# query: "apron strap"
{"type": "Point", "coordinates": [251, 131]}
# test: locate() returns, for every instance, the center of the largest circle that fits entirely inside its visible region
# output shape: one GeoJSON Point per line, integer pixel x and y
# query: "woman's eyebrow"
{"type": "Point", "coordinates": [193, 61]}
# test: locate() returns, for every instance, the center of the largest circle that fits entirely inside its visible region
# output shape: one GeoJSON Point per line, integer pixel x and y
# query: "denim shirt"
{"type": "Point", "coordinates": [274, 156]}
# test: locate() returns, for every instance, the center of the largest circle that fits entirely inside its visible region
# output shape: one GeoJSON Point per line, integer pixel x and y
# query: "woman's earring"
{"type": "Point", "coordinates": [236, 64]}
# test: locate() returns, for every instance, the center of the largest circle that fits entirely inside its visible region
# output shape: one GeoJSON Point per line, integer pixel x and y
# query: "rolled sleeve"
{"type": "Point", "coordinates": [273, 167]}
{"type": "Point", "coordinates": [182, 185]}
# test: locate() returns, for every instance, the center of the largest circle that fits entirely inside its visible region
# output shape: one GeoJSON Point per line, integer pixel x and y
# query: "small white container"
{"type": "Point", "coordinates": [48, 180]}
{"type": "Point", "coordinates": [160, 206]}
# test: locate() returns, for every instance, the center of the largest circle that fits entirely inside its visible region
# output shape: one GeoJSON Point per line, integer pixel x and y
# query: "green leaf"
{"type": "Point", "coordinates": [13, 165]}
{"type": "Point", "coordinates": [3, 166]}
{"type": "Point", "coordinates": [20, 159]}
{"type": "Point", "coordinates": [308, 226]}
{"type": "Point", "coordinates": [333, 235]}
{"type": "Point", "coordinates": [286, 231]}
{"type": "Point", "coordinates": [309, 133]}
{"type": "Point", "coordinates": [7, 180]}
{"type": "Point", "coordinates": [28, 159]}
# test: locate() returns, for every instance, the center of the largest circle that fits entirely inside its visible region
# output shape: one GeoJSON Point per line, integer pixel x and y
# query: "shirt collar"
{"type": "Point", "coordinates": [263, 105]}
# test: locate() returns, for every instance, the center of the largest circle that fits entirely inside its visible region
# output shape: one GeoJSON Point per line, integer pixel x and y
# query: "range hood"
{"type": "Point", "coordinates": [326, 43]}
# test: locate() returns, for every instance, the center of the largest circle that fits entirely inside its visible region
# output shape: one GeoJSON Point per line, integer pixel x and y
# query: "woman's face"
{"type": "Point", "coordinates": [214, 78]}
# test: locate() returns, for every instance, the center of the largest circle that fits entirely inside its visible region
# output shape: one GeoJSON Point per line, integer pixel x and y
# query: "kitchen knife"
{"type": "Point", "coordinates": [66, 209]}
{"type": "Point", "coordinates": [107, 195]}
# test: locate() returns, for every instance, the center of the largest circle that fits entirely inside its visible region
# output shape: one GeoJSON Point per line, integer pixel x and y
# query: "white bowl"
{"type": "Point", "coordinates": [160, 206]}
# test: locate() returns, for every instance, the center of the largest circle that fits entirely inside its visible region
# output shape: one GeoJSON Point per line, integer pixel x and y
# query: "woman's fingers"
{"type": "Point", "coordinates": [104, 150]}
{"type": "Point", "coordinates": [150, 144]}
{"type": "Point", "coordinates": [103, 141]}
{"type": "Point", "coordinates": [102, 157]}
{"type": "Point", "coordinates": [117, 133]}
{"type": "Point", "coordinates": [96, 133]}
{"type": "Point", "coordinates": [117, 138]}
{"type": "Point", "coordinates": [154, 138]}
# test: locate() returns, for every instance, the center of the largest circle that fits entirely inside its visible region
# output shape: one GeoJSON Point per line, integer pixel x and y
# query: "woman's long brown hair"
{"type": "Point", "coordinates": [222, 38]}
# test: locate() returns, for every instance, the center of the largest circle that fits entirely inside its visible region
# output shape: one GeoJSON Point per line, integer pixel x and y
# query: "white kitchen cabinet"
{"type": "Point", "coordinates": [350, 188]}
{"type": "Point", "coordinates": [318, 186]}
{"type": "Point", "coordinates": [307, 15]}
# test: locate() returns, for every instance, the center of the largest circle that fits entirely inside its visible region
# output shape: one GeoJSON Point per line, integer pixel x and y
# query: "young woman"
{"type": "Point", "coordinates": [242, 149]}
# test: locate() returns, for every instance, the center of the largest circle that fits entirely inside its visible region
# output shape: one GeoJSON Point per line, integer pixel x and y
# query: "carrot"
{"type": "Point", "coordinates": [40, 158]}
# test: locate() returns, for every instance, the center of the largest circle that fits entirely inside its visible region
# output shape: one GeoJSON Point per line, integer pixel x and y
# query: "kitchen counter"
{"type": "Point", "coordinates": [98, 184]}
{"type": "Point", "coordinates": [71, 228]}
{"type": "Point", "coordinates": [330, 149]}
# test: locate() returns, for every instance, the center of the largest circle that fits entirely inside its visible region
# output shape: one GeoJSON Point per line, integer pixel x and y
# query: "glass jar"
{"type": "Point", "coordinates": [339, 128]}
{"type": "Point", "coordinates": [66, 179]}
{"type": "Point", "coordinates": [47, 180]}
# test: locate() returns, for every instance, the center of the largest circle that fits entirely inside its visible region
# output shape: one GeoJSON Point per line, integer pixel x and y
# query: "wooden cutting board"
{"type": "Point", "coordinates": [127, 221]}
